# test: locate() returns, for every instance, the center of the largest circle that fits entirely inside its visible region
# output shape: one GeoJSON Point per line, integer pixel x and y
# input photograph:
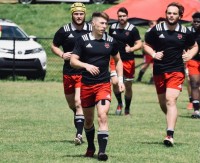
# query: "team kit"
{"type": "Point", "coordinates": [97, 57]}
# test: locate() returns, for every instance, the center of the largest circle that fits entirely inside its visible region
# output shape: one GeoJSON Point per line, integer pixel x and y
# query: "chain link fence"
{"type": "Point", "coordinates": [54, 63]}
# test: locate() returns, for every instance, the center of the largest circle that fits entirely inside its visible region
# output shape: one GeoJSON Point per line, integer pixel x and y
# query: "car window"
{"type": "Point", "coordinates": [10, 32]}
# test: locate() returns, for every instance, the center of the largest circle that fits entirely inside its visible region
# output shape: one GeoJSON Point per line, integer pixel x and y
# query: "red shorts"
{"type": "Point", "coordinates": [70, 82]}
{"type": "Point", "coordinates": [129, 69]}
{"type": "Point", "coordinates": [148, 58]}
{"type": "Point", "coordinates": [193, 67]}
{"type": "Point", "coordinates": [91, 94]}
{"type": "Point", "coordinates": [168, 80]}
{"type": "Point", "coordinates": [112, 65]}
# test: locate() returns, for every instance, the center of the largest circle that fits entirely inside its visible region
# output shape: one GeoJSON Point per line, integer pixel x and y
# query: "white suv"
{"type": "Point", "coordinates": [20, 54]}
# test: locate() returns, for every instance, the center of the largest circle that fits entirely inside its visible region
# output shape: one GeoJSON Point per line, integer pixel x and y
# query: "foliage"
{"type": "Point", "coordinates": [43, 20]}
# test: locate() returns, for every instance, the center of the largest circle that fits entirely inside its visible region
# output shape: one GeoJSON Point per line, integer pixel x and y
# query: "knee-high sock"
{"type": "Point", "coordinates": [79, 123]}
{"type": "Point", "coordinates": [102, 140]}
{"type": "Point", "coordinates": [90, 133]}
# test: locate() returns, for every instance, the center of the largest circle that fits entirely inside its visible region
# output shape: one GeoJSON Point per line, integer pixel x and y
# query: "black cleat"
{"type": "Point", "coordinates": [196, 114]}
{"type": "Point", "coordinates": [102, 157]}
{"type": "Point", "coordinates": [90, 153]}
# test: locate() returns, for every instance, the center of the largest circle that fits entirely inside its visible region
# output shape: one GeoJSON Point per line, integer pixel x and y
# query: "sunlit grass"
{"type": "Point", "coordinates": [37, 126]}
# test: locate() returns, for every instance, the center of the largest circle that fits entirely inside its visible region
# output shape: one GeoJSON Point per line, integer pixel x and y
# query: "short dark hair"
{"type": "Point", "coordinates": [196, 15]}
{"type": "Point", "coordinates": [179, 6]}
{"type": "Point", "coordinates": [101, 15]}
{"type": "Point", "coordinates": [122, 9]}
{"type": "Point", "coordinates": [160, 19]}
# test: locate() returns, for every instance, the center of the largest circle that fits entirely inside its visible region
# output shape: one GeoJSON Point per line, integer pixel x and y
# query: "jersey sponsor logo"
{"type": "Point", "coordinates": [89, 46]}
{"type": "Point", "coordinates": [71, 36]}
{"type": "Point", "coordinates": [127, 33]}
{"type": "Point", "coordinates": [107, 45]}
{"type": "Point", "coordinates": [114, 33]}
{"type": "Point", "coordinates": [161, 36]}
{"type": "Point", "coordinates": [180, 36]}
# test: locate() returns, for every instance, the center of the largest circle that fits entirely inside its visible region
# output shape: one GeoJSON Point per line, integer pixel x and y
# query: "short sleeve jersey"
{"type": "Point", "coordinates": [128, 35]}
{"type": "Point", "coordinates": [66, 37]}
{"type": "Point", "coordinates": [197, 38]}
{"type": "Point", "coordinates": [172, 43]}
{"type": "Point", "coordinates": [97, 53]}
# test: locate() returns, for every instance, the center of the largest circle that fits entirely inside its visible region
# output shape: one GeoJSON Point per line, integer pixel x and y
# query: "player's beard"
{"type": "Point", "coordinates": [172, 23]}
{"type": "Point", "coordinates": [74, 21]}
{"type": "Point", "coordinates": [123, 22]}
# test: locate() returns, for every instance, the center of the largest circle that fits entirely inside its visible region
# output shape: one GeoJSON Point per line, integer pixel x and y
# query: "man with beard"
{"type": "Point", "coordinates": [194, 67]}
{"type": "Point", "coordinates": [66, 37]}
{"type": "Point", "coordinates": [92, 53]}
{"type": "Point", "coordinates": [166, 43]}
{"type": "Point", "coordinates": [128, 39]}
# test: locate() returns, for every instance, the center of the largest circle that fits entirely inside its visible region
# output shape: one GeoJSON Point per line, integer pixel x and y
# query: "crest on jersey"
{"type": "Point", "coordinates": [180, 36]}
{"type": "Point", "coordinates": [127, 33]}
{"type": "Point", "coordinates": [107, 45]}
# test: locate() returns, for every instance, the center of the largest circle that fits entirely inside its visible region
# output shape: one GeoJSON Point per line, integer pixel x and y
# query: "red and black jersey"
{"type": "Point", "coordinates": [128, 35]}
{"type": "Point", "coordinates": [197, 38]}
{"type": "Point", "coordinates": [66, 37]}
{"type": "Point", "coordinates": [97, 53]}
{"type": "Point", "coordinates": [172, 43]}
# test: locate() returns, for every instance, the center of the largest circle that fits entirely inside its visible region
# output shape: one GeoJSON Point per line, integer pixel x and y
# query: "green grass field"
{"type": "Point", "coordinates": [37, 126]}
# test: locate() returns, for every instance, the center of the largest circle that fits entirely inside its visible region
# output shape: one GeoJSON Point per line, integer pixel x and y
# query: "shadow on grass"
{"type": "Point", "coordinates": [150, 143]}
{"type": "Point", "coordinates": [177, 144]}
{"type": "Point", "coordinates": [80, 156]}
{"type": "Point", "coordinates": [185, 116]}
{"type": "Point", "coordinates": [161, 143]}
{"type": "Point", "coordinates": [64, 141]}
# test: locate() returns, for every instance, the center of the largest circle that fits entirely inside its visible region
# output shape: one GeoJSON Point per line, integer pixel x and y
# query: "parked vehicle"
{"type": "Point", "coordinates": [86, 1]}
{"type": "Point", "coordinates": [20, 54]}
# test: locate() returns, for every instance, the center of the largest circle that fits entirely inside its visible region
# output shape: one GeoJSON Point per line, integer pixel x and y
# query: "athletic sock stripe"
{"type": "Point", "coordinates": [103, 132]}
{"type": "Point", "coordinates": [79, 117]}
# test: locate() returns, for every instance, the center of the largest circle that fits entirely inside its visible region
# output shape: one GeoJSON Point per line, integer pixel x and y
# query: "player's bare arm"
{"type": "Point", "coordinates": [76, 63]}
{"type": "Point", "coordinates": [156, 55]}
{"type": "Point", "coordinates": [190, 53]}
{"type": "Point", "coordinates": [119, 69]}
{"type": "Point", "coordinates": [56, 50]}
{"type": "Point", "coordinates": [137, 46]}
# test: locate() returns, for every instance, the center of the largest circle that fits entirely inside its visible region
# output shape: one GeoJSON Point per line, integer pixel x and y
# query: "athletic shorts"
{"type": "Point", "coordinates": [129, 69]}
{"type": "Point", "coordinates": [168, 80]}
{"type": "Point", "coordinates": [148, 58]}
{"type": "Point", "coordinates": [193, 67]}
{"type": "Point", "coordinates": [70, 82]}
{"type": "Point", "coordinates": [91, 94]}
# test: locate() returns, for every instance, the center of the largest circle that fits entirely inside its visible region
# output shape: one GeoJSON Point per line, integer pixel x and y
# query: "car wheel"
{"type": "Point", "coordinates": [98, 1]}
{"type": "Point", "coordinates": [38, 76]}
{"type": "Point", "coordinates": [26, 1]}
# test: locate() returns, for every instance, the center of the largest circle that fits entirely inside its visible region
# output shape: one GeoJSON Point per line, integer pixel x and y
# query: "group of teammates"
{"type": "Point", "coordinates": [86, 75]}
{"type": "Point", "coordinates": [86, 50]}
{"type": "Point", "coordinates": [193, 70]}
